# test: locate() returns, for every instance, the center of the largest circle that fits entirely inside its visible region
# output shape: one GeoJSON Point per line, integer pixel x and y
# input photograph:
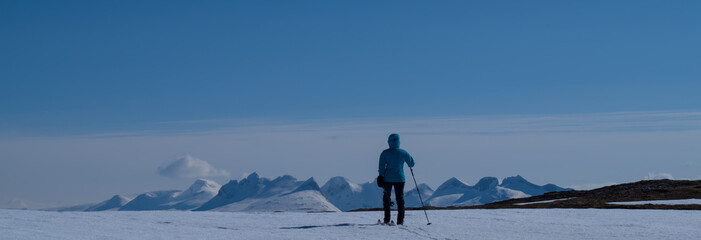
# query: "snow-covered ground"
{"type": "Point", "coordinates": [538, 202]}
{"type": "Point", "coordinates": [454, 224]}
{"type": "Point", "coordinates": [662, 202]}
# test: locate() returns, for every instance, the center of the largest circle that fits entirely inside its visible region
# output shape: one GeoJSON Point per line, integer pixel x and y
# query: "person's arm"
{"type": "Point", "coordinates": [409, 161]}
{"type": "Point", "coordinates": [382, 168]}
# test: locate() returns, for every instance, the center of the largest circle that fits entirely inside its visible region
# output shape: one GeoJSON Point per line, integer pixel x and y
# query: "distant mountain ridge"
{"type": "Point", "coordinates": [454, 192]}
{"type": "Point", "coordinates": [286, 193]}
{"type": "Point", "coordinates": [198, 193]}
{"type": "Point", "coordinates": [194, 196]}
{"type": "Point", "coordinates": [521, 184]}
{"type": "Point", "coordinates": [610, 197]}
{"type": "Point", "coordinates": [113, 203]}
{"type": "Point", "coordinates": [255, 193]}
{"type": "Point", "coordinates": [306, 197]}
{"type": "Point", "coordinates": [347, 195]}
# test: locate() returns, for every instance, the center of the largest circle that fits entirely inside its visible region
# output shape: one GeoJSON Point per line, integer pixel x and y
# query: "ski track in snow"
{"type": "Point", "coordinates": [454, 224]}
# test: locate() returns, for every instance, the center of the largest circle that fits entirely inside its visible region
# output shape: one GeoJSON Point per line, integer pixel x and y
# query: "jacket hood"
{"type": "Point", "coordinates": [393, 140]}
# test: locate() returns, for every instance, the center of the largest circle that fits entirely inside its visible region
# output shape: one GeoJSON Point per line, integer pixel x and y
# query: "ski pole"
{"type": "Point", "coordinates": [422, 201]}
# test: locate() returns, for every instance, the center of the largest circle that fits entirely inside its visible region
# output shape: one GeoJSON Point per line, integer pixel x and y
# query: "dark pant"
{"type": "Point", "coordinates": [399, 196]}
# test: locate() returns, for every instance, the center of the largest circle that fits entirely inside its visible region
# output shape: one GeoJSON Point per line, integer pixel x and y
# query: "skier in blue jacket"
{"type": "Point", "coordinates": [391, 167]}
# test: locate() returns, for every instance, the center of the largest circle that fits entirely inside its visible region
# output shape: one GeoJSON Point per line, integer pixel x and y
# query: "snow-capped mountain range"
{"type": "Point", "coordinates": [456, 193]}
{"type": "Point", "coordinates": [197, 194]}
{"type": "Point", "coordinates": [255, 193]}
{"type": "Point", "coordinates": [286, 193]}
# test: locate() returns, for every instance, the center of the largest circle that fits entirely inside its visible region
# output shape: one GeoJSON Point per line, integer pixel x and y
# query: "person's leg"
{"type": "Point", "coordinates": [399, 195]}
{"type": "Point", "coordinates": [386, 200]}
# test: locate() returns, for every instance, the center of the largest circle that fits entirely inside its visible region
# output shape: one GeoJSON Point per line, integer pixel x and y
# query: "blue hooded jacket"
{"type": "Point", "coordinates": [392, 161]}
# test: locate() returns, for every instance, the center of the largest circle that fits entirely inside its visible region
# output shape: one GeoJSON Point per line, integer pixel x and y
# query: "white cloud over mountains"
{"type": "Point", "coordinates": [656, 176]}
{"type": "Point", "coordinates": [190, 167]}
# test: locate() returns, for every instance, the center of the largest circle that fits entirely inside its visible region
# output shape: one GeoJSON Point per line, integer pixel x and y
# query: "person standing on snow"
{"type": "Point", "coordinates": [391, 167]}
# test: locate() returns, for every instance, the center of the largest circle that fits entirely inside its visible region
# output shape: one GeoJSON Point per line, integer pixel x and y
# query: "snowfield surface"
{"type": "Point", "coordinates": [545, 201]}
{"type": "Point", "coordinates": [455, 224]}
{"type": "Point", "coordinates": [662, 202]}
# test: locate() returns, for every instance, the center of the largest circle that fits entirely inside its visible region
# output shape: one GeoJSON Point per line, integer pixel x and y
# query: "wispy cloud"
{"type": "Point", "coordinates": [594, 122]}
{"type": "Point", "coordinates": [653, 176]}
{"type": "Point", "coordinates": [502, 124]}
{"type": "Point", "coordinates": [642, 121]}
{"type": "Point", "coordinates": [190, 167]}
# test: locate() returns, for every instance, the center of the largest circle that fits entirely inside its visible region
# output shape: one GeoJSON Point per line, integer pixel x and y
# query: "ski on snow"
{"type": "Point", "coordinates": [391, 223]}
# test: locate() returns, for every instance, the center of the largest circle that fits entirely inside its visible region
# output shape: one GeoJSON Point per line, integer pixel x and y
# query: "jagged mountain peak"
{"type": "Point", "coordinates": [310, 184]}
{"type": "Point", "coordinates": [114, 203]}
{"type": "Point", "coordinates": [487, 183]}
{"type": "Point", "coordinates": [340, 183]}
{"type": "Point", "coordinates": [285, 178]}
{"type": "Point", "coordinates": [452, 185]}
{"type": "Point", "coordinates": [203, 185]}
{"type": "Point", "coordinates": [306, 197]}
{"type": "Point", "coordinates": [254, 190]}
{"type": "Point", "coordinates": [337, 180]}
{"type": "Point", "coordinates": [448, 192]}
{"type": "Point", "coordinates": [453, 182]}
{"type": "Point", "coordinates": [252, 177]}
{"type": "Point", "coordinates": [150, 201]}
{"type": "Point", "coordinates": [412, 199]}
{"type": "Point", "coordinates": [201, 188]}
{"type": "Point", "coordinates": [521, 184]}
{"type": "Point", "coordinates": [425, 186]}
{"type": "Point", "coordinates": [514, 179]}
{"type": "Point", "coordinates": [118, 198]}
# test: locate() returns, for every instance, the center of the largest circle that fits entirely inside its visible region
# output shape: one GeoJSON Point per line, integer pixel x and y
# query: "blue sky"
{"type": "Point", "coordinates": [84, 68]}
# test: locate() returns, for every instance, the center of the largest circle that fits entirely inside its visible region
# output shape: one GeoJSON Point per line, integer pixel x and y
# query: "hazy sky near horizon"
{"type": "Point", "coordinates": [110, 96]}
